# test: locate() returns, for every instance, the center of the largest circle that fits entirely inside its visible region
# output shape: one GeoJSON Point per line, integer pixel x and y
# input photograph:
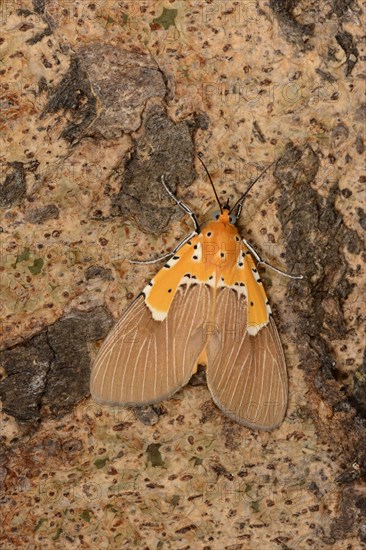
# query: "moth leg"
{"type": "Point", "coordinates": [185, 209]}
{"type": "Point", "coordinates": [183, 206]}
{"type": "Point", "coordinates": [153, 261]}
{"type": "Point", "coordinates": [263, 262]}
{"type": "Point", "coordinates": [186, 239]}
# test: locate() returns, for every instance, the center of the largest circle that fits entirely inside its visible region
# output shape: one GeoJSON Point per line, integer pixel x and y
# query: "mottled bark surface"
{"type": "Point", "coordinates": [98, 101]}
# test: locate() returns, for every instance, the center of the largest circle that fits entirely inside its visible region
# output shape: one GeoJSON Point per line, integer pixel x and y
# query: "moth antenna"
{"type": "Point", "coordinates": [240, 201]}
{"type": "Point", "coordinates": [209, 177]}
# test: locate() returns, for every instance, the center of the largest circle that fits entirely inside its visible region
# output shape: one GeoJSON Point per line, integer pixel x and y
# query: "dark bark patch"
{"type": "Point", "coordinates": [147, 415]}
{"type": "Point", "coordinates": [361, 217]}
{"type": "Point", "coordinates": [161, 148]}
{"type": "Point", "coordinates": [47, 31]}
{"type": "Point", "coordinates": [74, 95]}
{"type": "Point", "coordinates": [341, 7]}
{"type": "Point", "coordinates": [339, 134]}
{"type": "Point", "coordinates": [26, 367]}
{"type": "Point", "coordinates": [347, 43]}
{"type": "Point", "coordinates": [220, 470]}
{"type": "Point", "coordinates": [295, 32]}
{"type": "Point", "coordinates": [49, 373]}
{"type": "Point", "coordinates": [105, 91]}
{"type": "Point", "coordinates": [39, 6]}
{"type": "Point", "coordinates": [315, 235]}
{"type": "Point", "coordinates": [257, 132]}
{"type": "Point", "coordinates": [351, 518]}
{"type": "Point", "coordinates": [360, 145]}
{"type": "Point", "coordinates": [98, 271]}
{"type": "Point", "coordinates": [358, 398]}
{"type": "Point", "coordinates": [42, 213]}
{"type": "Point", "coordinates": [13, 190]}
{"type": "Point", "coordinates": [326, 75]}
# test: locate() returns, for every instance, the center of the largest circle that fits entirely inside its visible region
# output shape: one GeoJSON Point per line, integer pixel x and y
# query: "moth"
{"type": "Point", "coordinates": [206, 306]}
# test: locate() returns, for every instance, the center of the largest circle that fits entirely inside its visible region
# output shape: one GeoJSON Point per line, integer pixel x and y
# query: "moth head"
{"type": "Point", "coordinates": [224, 216]}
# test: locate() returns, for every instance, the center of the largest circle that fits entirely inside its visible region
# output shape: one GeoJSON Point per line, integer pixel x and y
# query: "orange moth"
{"type": "Point", "coordinates": [206, 306]}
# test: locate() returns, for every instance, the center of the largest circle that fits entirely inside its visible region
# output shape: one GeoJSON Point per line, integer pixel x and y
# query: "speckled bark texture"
{"type": "Point", "coordinates": [99, 99]}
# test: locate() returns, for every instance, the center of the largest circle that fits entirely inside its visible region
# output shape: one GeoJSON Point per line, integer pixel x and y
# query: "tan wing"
{"type": "Point", "coordinates": [246, 374]}
{"type": "Point", "coordinates": [144, 361]}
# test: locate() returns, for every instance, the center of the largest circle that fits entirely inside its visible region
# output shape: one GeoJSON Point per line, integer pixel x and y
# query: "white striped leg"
{"type": "Point", "coordinates": [263, 262]}
{"type": "Point", "coordinates": [185, 209]}
{"type": "Point", "coordinates": [183, 206]}
{"type": "Point", "coordinates": [184, 241]}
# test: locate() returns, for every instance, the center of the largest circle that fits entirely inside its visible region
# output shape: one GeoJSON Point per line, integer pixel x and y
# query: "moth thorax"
{"type": "Point", "coordinates": [222, 252]}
